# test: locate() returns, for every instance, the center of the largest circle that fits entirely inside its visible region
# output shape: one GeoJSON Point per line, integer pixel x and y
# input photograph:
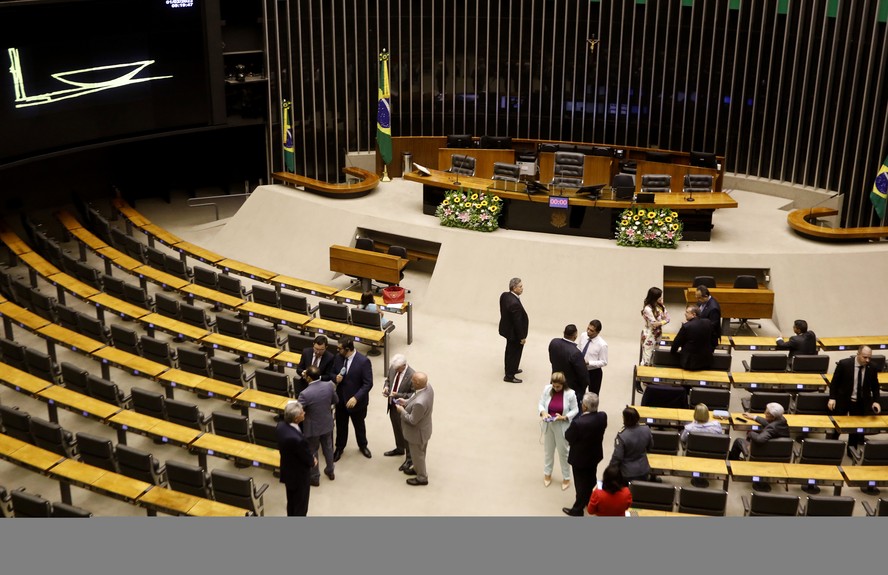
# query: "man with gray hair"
{"type": "Point", "coordinates": [586, 438]}
{"type": "Point", "coordinates": [416, 423]}
{"type": "Point", "coordinates": [513, 326]}
{"type": "Point", "coordinates": [398, 385]}
{"type": "Point", "coordinates": [296, 459]}
{"type": "Point", "coordinates": [773, 426]}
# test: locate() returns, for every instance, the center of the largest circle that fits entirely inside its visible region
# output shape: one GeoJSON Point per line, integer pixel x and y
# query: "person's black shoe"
{"type": "Point", "coordinates": [330, 475]}
{"type": "Point", "coordinates": [571, 512]}
{"type": "Point", "coordinates": [405, 465]}
{"type": "Point", "coordinates": [519, 371]}
{"type": "Point", "coordinates": [512, 379]}
{"type": "Point", "coordinates": [409, 471]}
{"type": "Point", "coordinates": [761, 487]}
{"type": "Point", "coordinates": [315, 482]}
{"type": "Point", "coordinates": [638, 388]}
{"type": "Point", "coordinates": [365, 452]}
{"type": "Point", "coordinates": [337, 453]}
{"type": "Point", "coordinates": [415, 481]}
{"type": "Point", "coordinates": [655, 479]}
{"type": "Point", "coordinates": [394, 452]}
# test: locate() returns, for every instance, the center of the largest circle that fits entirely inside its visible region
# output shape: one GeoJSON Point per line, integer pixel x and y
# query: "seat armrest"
{"type": "Point", "coordinates": [249, 377]}
{"type": "Point", "coordinates": [796, 454]}
{"type": "Point", "coordinates": [261, 490]}
{"type": "Point", "coordinates": [870, 510]}
{"type": "Point", "coordinates": [745, 365]}
{"type": "Point", "coordinates": [126, 401]}
{"type": "Point", "coordinates": [745, 501]}
{"type": "Point", "coordinates": [744, 449]}
{"type": "Point", "coordinates": [802, 509]}
{"type": "Point", "coordinates": [313, 310]}
{"type": "Point", "coordinates": [856, 454]}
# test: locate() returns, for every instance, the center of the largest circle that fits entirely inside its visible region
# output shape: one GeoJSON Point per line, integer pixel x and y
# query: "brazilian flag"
{"type": "Point", "coordinates": [384, 111]}
{"type": "Point", "coordinates": [289, 146]}
{"type": "Point", "coordinates": [880, 190]}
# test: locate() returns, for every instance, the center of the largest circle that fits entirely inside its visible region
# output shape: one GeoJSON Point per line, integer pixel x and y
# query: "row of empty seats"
{"type": "Point", "coordinates": [20, 503]}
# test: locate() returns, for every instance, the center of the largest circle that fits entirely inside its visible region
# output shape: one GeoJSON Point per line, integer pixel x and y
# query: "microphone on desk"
{"type": "Point", "coordinates": [455, 169]}
{"type": "Point", "coordinates": [690, 198]}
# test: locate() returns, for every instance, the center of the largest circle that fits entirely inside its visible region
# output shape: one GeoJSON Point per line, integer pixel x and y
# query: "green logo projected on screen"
{"type": "Point", "coordinates": [86, 81]}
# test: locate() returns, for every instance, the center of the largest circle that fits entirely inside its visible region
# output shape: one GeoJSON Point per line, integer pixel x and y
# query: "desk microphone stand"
{"type": "Point", "coordinates": [690, 198]}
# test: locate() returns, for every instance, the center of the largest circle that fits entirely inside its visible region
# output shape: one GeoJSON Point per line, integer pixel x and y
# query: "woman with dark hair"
{"type": "Point", "coordinates": [630, 448]}
{"type": "Point", "coordinates": [369, 303]}
{"type": "Point", "coordinates": [614, 498]}
{"type": "Point", "coordinates": [655, 317]}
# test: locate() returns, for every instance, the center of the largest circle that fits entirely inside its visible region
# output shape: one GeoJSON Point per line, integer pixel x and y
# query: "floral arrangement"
{"type": "Point", "coordinates": [649, 227]}
{"type": "Point", "coordinates": [470, 209]}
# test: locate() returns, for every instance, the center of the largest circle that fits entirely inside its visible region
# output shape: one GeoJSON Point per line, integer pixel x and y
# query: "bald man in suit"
{"type": "Point", "coordinates": [416, 423]}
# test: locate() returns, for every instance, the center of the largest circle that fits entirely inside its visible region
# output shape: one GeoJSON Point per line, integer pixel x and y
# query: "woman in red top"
{"type": "Point", "coordinates": [614, 498]}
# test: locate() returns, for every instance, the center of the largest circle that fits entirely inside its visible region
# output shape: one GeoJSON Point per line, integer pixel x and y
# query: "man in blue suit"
{"type": "Point", "coordinates": [296, 460]}
{"type": "Point", "coordinates": [318, 400]}
{"type": "Point", "coordinates": [353, 384]}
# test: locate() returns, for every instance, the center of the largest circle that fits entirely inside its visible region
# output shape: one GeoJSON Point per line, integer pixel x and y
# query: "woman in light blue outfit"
{"type": "Point", "coordinates": [368, 303]}
{"type": "Point", "coordinates": [558, 406]}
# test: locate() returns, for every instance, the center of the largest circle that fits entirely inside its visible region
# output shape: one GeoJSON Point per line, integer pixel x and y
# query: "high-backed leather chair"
{"type": "Point", "coordinates": [506, 172]}
{"type": "Point", "coordinates": [238, 490]}
{"type": "Point", "coordinates": [462, 164]}
{"type": "Point", "coordinates": [656, 183]}
{"type": "Point", "coordinates": [568, 170]}
{"type": "Point", "coordinates": [694, 183]}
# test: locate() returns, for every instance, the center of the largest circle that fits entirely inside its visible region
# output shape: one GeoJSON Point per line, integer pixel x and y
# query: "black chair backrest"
{"type": "Point", "coordinates": [187, 478]}
{"type": "Point", "coordinates": [14, 353]}
{"type": "Point", "coordinates": [194, 361]}
{"type": "Point", "coordinates": [399, 251]}
{"type": "Point", "coordinates": [665, 396]}
{"type": "Point", "coordinates": [767, 362]}
{"type": "Point", "coordinates": [569, 164]}
{"type": "Point", "coordinates": [166, 305]}
{"type": "Point", "coordinates": [51, 436]}
{"type": "Point", "coordinates": [366, 318]}
{"type": "Point", "coordinates": [650, 495]}
{"type": "Point", "coordinates": [125, 339]}
{"type": "Point", "coordinates": [41, 365]}
{"type": "Point", "coordinates": [708, 281]}
{"type": "Point", "coordinates": [265, 295]}
{"type": "Point", "coordinates": [760, 399]}
{"type": "Point", "coordinates": [186, 414]}
{"type": "Point", "coordinates": [67, 316]}
{"type": "Point", "coordinates": [44, 305]}
{"type": "Point", "coordinates": [74, 377]}
{"type": "Point", "coordinates": [228, 371]}
{"type": "Point", "coordinates": [22, 292]}
{"type": "Point", "coordinates": [157, 350]}
{"type": "Point", "coordinates": [16, 423]}
{"type": "Point", "coordinates": [829, 506]}
{"type": "Point", "coordinates": [775, 450]}
{"type": "Point", "coordinates": [297, 342]}
{"type": "Point", "coordinates": [746, 282]}
{"type": "Point", "coordinates": [231, 425]}
{"type": "Point", "coordinates": [264, 334]}
{"type": "Point", "coordinates": [506, 172]}
{"type": "Point", "coordinates": [663, 358]}
{"type": "Point", "coordinates": [113, 286]}
{"type": "Point", "coordinates": [138, 296]}
{"type": "Point", "coordinates": [92, 327]}
{"type": "Point", "coordinates": [766, 504]}
{"type": "Point", "coordinates": [822, 451]}
{"type": "Point", "coordinates": [365, 244]}
{"type": "Point", "coordinates": [205, 277]}
{"type": "Point", "coordinates": [238, 490]}
{"type": "Point", "coordinates": [272, 382]}
{"type": "Point", "coordinates": [709, 445]}
{"type": "Point", "coordinates": [813, 403]}
{"type": "Point", "coordinates": [194, 315]}
{"type": "Point", "coordinates": [294, 302]}
{"type": "Point", "coordinates": [875, 453]}
{"type": "Point", "coordinates": [656, 182]}
{"type": "Point", "coordinates": [721, 362]}
{"type": "Point", "coordinates": [230, 285]}
{"type": "Point", "coordinates": [139, 465]}
{"type": "Point", "coordinates": [333, 311]}
{"type": "Point", "coordinates": [664, 442]}
{"type": "Point", "coordinates": [25, 504]}
{"type": "Point", "coordinates": [149, 402]}
{"type": "Point", "coordinates": [698, 182]}
{"type": "Point", "coordinates": [713, 398]}
{"type": "Point", "coordinates": [155, 257]}
{"type": "Point", "coordinates": [702, 501]}
{"type": "Point", "coordinates": [62, 509]}
{"type": "Point", "coordinates": [264, 433]}
{"type": "Point", "coordinates": [810, 363]}
{"type": "Point", "coordinates": [96, 451]}
{"type": "Point", "coordinates": [105, 390]}
{"type": "Point", "coordinates": [462, 164]}
{"type": "Point", "coordinates": [175, 266]}
{"type": "Point", "coordinates": [230, 325]}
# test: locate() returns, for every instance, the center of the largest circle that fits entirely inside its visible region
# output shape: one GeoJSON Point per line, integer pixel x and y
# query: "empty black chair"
{"type": "Point", "coordinates": [880, 510]}
{"type": "Point", "coordinates": [89, 275]}
{"type": "Point", "coordinates": [297, 303]}
{"type": "Point", "coordinates": [138, 296]}
{"type": "Point", "coordinates": [273, 382]}
{"type": "Point", "coordinates": [701, 501]}
{"type": "Point", "coordinates": [230, 325]}
{"type": "Point", "coordinates": [768, 505]}
{"type": "Point", "coordinates": [69, 264]}
{"type": "Point", "coordinates": [157, 350]}
{"type": "Point", "coordinates": [5, 504]}
{"type": "Point", "coordinates": [662, 157]}
{"type": "Point", "coordinates": [96, 451]}
{"type": "Point", "coordinates": [232, 286]}
{"type": "Point", "coordinates": [231, 425]}
{"type": "Point", "coordinates": [74, 377]}
{"type": "Point", "coordinates": [175, 266]}
{"type": "Point", "coordinates": [16, 423]}
{"type": "Point", "coordinates": [43, 305]}
{"type": "Point", "coordinates": [713, 398]}
{"type": "Point", "coordinates": [708, 281]}
{"type": "Point", "coordinates": [93, 328]}
{"type": "Point", "coordinates": [187, 414]}
{"type": "Point", "coordinates": [125, 339]}
{"type": "Point", "coordinates": [774, 362]}
{"type": "Point", "coordinates": [694, 183]}
{"type": "Point", "coordinates": [6, 285]}
{"type": "Point", "coordinates": [25, 504]}
{"type": "Point", "coordinates": [41, 365]}
{"type": "Point", "coordinates": [129, 245]}
{"type": "Point", "coordinates": [665, 396]}
{"type": "Point", "coordinates": [462, 164]}
{"type": "Point", "coordinates": [190, 479]}
{"type": "Point", "coordinates": [506, 172]}
{"type": "Point", "coordinates": [194, 361]}
{"type": "Point", "coordinates": [50, 436]}
{"type": "Point", "coordinates": [206, 277]}
{"type": "Point", "coordinates": [264, 433]}
{"type": "Point", "coordinates": [107, 391]}
{"type": "Point", "coordinates": [333, 311]}
{"type": "Point", "coordinates": [568, 171]}
{"type": "Point", "coordinates": [297, 342]}
{"type": "Point", "coordinates": [401, 252]}
{"type": "Point", "coordinates": [664, 442]}
{"type": "Point", "coordinates": [872, 453]}
{"type": "Point", "coordinates": [650, 495]}
{"type": "Point", "coordinates": [238, 490]}
{"type": "Point", "coordinates": [140, 465]}
{"type": "Point", "coordinates": [265, 295]}
{"type": "Point", "coordinates": [264, 334]}
{"type": "Point", "coordinates": [155, 258]}
{"type": "Point", "coordinates": [828, 506]}
{"type": "Point", "coordinates": [663, 358]}
{"type": "Point", "coordinates": [814, 403]}
{"type": "Point", "coordinates": [113, 286]}
{"type": "Point", "coordinates": [166, 305]}
{"type": "Point", "coordinates": [196, 316]}
{"type": "Point", "coordinates": [21, 291]}
{"type": "Point", "coordinates": [877, 362]}
{"type": "Point", "coordinates": [229, 371]}
{"type": "Point", "coordinates": [62, 509]}
{"type": "Point", "coordinates": [809, 363]}
{"type": "Point", "coordinates": [149, 402]}
{"type": "Point", "coordinates": [656, 183]}
{"type": "Point", "coordinates": [721, 362]}
{"type": "Point", "coordinates": [820, 452]}
{"type": "Point", "coordinates": [757, 402]}
{"type": "Point", "coordinates": [708, 445]}
{"type": "Point", "coordinates": [14, 353]}
{"type": "Point", "coordinates": [67, 317]}
{"type": "Point", "coordinates": [365, 244]}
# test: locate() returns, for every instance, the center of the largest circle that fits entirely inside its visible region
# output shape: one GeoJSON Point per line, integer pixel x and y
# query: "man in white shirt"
{"type": "Point", "coordinates": [594, 350]}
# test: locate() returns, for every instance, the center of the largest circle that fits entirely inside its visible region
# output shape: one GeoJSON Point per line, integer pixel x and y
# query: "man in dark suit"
{"type": "Point", "coordinates": [513, 326]}
{"type": "Point", "coordinates": [854, 390]}
{"type": "Point", "coordinates": [568, 359]}
{"type": "Point", "coordinates": [585, 436]}
{"type": "Point", "coordinates": [318, 400]}
{"type": "Point", "coordinates": [319, 356]}
{"type": "Point", "coordinates": [774, 426]}
{"type": "Point", "coordinates": [804, 342]}
{"type": "Point", "coordinates": [710, 310]}
{"type": "Point", "coordinates": [694, 339]}
{"type": "Point", "coordinates": [398, 385]}
{"type": "Point", "coordinates": [354, 380]}
{"type": "Point", "coordinates": [416, 421]}
{"type": "Point", "coordinates": [296, 459]}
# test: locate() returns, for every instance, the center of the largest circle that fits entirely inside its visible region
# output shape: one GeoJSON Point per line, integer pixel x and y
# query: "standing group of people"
{"type": "Point", "coordinates": [335, 388]}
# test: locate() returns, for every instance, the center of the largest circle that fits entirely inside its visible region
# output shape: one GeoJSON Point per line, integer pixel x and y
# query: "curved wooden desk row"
{"type": "Point", "coordinates": [367, 182]}
{"type": "Point", "coordinates": [766, 343]}
{"type": "Point", "coordinates": [106, 355]}
{"type": "Point", "coordinates": [203, 443]}
{"type": "Point", "coordinates": [752, 380]}
{"type": "Point", "coordinates": [72, 472]}
{"type": "Point", "coordinates": [371, 337]}
{"type": "Point", "coordinates": [801, 222]}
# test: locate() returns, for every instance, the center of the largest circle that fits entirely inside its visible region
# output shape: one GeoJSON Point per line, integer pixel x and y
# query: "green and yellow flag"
{"type": "Point", "coordinates": [384, 111]}
{"type": "Point", "coordinates": [289, 146]}
{"type": "Point", "coordinates": [880, 190]}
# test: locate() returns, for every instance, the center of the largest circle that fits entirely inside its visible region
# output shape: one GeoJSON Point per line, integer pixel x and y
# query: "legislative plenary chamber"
{"type": "Point", "coordinates": [205, 199]}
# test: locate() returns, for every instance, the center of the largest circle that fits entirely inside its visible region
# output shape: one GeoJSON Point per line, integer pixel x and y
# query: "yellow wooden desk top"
{"type": "Point", "coordinates": [121, 485]}
{"type": "Point", "coordinates": [840, 343]}
{"type": "Point", "coordinates": [70, 338]}
{"type": "Point", "coordinates": [80, 402]}
{"type": "Point", "coordinates": [658, 374]}
{"type": "Point", "coordinates": [864, 473]}
{"type": "Point", "coordinates": [169, 324]}
{"type": "Point", "coordinates": [132, 420]}
{"type": "Point", "coordinates": [91, 241]}
{"type": "Point", "coordinates": [78, 472]}
{"type": "Point", "coordinates": [15, 377]}
{"type": "Point", "coordinates": [745, 378]}
{"type": "Point", "coordinates": [765, 469]}
{"type": "Point", "coordinates": [807, 379]}
{"type": "Point", "coordinates": [290, 358]}
{"type": "Point", "coordinates": [707, 376]}
{"type": "Point", "coordinates": [129, 213]}
{"type": "Point", "coordinates": [246, 269]}
{"type": "Point", "coordinates": [845, 423]}
{"type": "Point", "coordinates": [130, 361]}
{"type": "Point", "coordinates": [198, 252]}
{"type": "Point", "coordinates": [38, 264]}
{"type": "Point", "coordinates": [119, 306]}
{"type": "Point", "coordinates": [15, 244]}
{"type": "Point", "coordinates": [74, 285]}
{"type": "Point", "coordinates": [22, 316]}
{"type": "Point", "coordinates": [160, 277]}
{"type": "Point", "coordinates": [162, 235]}
{"type": "Point", "coordinates": [686, 464]}
{"type": "Point", "coordinates": [27, 455]}
{"type": "Point", "coordinates": [753, 343]}
{"type": "Point", "coordinates": [169, 501]}
{"type": "Point", "coordinates": [208, 508]}
{"type": "Point", "coordinates": [265, 456]}
{"type": "Point", "coordinates": [263, 399]}
{"type": "Point", "coordinates": [267, 311]}
{"type": "Point", "coordinates": [240, 346]}
{"type": "Point", "coordinates": [182, 378]}
{"type": "Point", "coordinates": [207, 294]}
{"type": "Point", "coordinates": [218, 444]}
{"type": "Point", "coordinates": [120, 259]}
{"type": "Point", "coordinates": [219, 388]}
{"type": "Point", "coordinates": [350, 296]}
{"type": "Point", "coordinates": [809, 422]}
{"type": "Point", "coordinates": [175, 432]}
{"type": "Point", "coordinates": [359, 333]}
{"type": "Point", "coordinates": [305, 286]}
{"type": "Point", "coordinates": [876, 342]}
{"type": "Point", "coordinates": [809, 471]}
{"type": "Point", "coordinates": [657, 413]}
